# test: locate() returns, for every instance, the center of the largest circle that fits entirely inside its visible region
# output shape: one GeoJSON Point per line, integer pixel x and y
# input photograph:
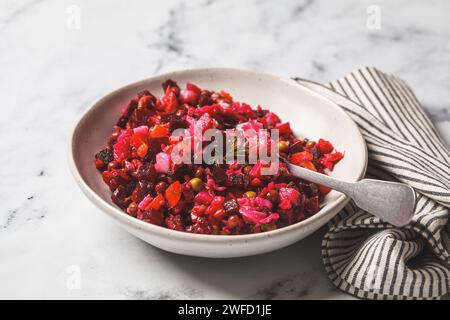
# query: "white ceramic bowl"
{"type": "Point", "coordinates": [309, 114]}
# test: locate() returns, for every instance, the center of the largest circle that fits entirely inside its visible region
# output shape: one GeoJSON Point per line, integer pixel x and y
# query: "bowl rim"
{"type": "Point", "coordinates": [120, 216]}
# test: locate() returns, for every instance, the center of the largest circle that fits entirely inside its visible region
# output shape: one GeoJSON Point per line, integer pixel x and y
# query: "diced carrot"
{"type": "Point", "coordinates": [301, 157]}
{"type": "Point", "coordinates": [142, 150]}
{"type": "Point", "coordinates": [309, 165]}
{"type": "Point", "coordinates": [159, 131]}
{"type": "Point", "coordinates": [156, 203]}
{"type": "Point", "coordinates": [173, 194]}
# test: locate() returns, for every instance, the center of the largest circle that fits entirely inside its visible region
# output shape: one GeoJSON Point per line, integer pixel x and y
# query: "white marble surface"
{"type": "Point", "coordinates": [50, 72]}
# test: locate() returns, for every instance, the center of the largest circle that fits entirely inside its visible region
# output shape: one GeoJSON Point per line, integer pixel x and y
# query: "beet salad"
{"type": "Point", "coordinates": [220, 198]}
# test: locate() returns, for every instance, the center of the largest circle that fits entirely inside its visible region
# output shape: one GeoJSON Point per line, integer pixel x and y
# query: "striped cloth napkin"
{"type": "Point", "coordinates": [363, 255]}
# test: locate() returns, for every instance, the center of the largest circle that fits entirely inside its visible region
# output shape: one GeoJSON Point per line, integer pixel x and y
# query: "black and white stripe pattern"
{"type": "Point", "coordinates": [363, 255]}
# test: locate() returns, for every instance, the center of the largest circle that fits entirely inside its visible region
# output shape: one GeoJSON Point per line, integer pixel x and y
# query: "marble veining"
{"type": "Point", "coordinates": [56, 57]}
